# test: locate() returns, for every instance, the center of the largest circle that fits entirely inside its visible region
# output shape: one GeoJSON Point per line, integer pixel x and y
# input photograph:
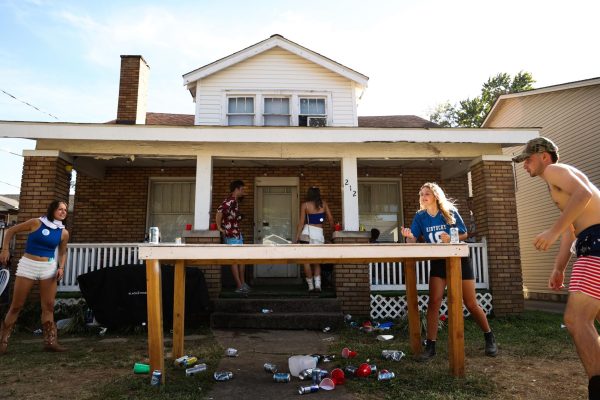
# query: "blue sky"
{"type": "Point", "coordinates": [63, 56]}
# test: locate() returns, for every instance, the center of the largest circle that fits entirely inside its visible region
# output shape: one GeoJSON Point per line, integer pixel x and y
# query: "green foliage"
{"type": "Point", "coordinates": [470, 113]}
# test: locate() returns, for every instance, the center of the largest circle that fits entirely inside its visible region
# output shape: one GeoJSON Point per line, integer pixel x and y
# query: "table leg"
{"type": "Point", "coordinates": [178, 309]}
{"type": "Point", "coordinates": [155, 324]}
{"type": "Point", "coordinates": [456, 323]}
{"type": "Point", "coordinates": [414, 320]}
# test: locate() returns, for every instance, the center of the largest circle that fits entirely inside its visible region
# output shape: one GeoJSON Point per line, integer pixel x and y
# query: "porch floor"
{"type": "Point", "coordinates": [278, 292]}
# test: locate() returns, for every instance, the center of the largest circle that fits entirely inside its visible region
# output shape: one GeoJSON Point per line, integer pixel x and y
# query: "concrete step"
{"type": "Point", "coordinates": [303, 305]}
{"type": "Point", "coordinates": [275, 320]}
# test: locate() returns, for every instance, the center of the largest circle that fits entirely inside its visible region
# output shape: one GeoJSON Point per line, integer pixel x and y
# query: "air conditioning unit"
{"type": "Point", "coordinates": [317, 122]}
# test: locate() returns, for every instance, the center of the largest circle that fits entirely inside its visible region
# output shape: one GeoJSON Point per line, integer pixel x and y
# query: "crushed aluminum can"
{"type": "Point", "coordinates": [350, 370]}
{"type": "Point", "coordinates": [318, 374]}
{"type": "Point", "coordinates": [306, 373]}
{"type": "Point", "coordinates": [385, 375]}
{"type": "Point", "coordinates": [383, 338]}
{"type": "Point", "coordinates": [282, 377]}
{"type": "Point", "coordinates": [266, 311]}
{"type": "Point", "coordinates": [156, 379]}
{"type": "Point", "coordinates": [326, 329]}
{"type": "Point", "coordinates": [392, 355]}
{"type": "Point", "coordinates": [328, 358]}
{"type": "Point", "coordinates": [231, 352]}
{"type": "Point", "coordinates": [347, 318]}
{"type": "Point", "coordinates": [186, 361]}
{"type": "Point", "coordinates": [196, 369]}
{"type": "Point", "coordinates": [373, 369]}
{"type": "Point", "coordinates": [270, 368]}
{"type": "Point", "coordinates": [308, 389]}
{"type": "Point", "coordinates": [222, 376]}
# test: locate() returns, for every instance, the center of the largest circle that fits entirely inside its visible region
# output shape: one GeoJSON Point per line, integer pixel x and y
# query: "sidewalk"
{"type": "Point", "coordinates": [548, 306]}
{"type": "Point", "coordinates": [256, 347]}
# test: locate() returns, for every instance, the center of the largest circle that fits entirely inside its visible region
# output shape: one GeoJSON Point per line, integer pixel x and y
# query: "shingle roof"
{"type": "Point", "coordinates": [379, 121]}
{"type": "Point", "coordinates": [395, 121]}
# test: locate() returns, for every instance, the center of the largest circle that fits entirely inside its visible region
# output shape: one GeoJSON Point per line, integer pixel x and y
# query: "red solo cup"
{"type": "Point", "coordinates": [367, 324]}
{"type": "Point", "coordinates": [188, 227]}
{"type": "Point", "coordinates": [337, 376]}
{"type": "Point", "coordinates": [213, 226]}
{"type": "Point", "coordinates": [327, 384]}
{"type": "Point", "coordinates": [347, 353]}
{"type": "Point", "coordinates": [363, 370]}
{"type": "Point", "coordinates": [338, 227]}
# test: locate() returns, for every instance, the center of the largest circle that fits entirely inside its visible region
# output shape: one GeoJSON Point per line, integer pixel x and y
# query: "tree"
{"type": "Point", "coordinates": [470, 113]}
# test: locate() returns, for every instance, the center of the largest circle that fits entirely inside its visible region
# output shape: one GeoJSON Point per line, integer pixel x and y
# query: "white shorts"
{"type": "Point", "coordinates": [36, 270]}
{"type": "Point", "coordinates": [315, 234]}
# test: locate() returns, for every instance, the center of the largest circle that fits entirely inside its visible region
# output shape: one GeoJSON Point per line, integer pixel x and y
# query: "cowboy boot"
{"type": "Point", "coordinates": [5, 331]}
{"type": "Point", "coordinates": [50, 337]}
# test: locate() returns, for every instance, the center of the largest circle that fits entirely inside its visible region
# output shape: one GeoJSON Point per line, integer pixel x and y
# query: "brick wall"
{"type": "Point", "coordinates": [495, 213]}
{"type": "Point", "coordinates": [212, 273]}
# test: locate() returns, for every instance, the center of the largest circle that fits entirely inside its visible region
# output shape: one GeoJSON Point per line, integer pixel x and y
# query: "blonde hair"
{"type": "Point", "coordinates": [445, 204]}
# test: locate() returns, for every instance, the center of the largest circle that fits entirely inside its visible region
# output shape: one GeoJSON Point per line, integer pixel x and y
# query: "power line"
{"type": "Point", "coordinates": [28, 104]}
{"type": "Point", "coordinates": [8, 151]}
{"type": "Point", "coordinates": [10, 184]}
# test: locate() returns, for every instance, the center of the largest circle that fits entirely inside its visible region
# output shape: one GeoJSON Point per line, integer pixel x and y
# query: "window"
{"type": "Point", "coordinates": [240, 111]}
{"type": "Point", "coordinates": [277, 111]}
{"type": "Point", "coordinates": [380, 207]}
{"type": "Point", "coordinates": [312, 112]}
{"type": "Point", "coordinates": [171, 206]}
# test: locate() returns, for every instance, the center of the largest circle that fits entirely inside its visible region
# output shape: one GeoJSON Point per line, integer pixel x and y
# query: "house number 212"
{"type": "Point", "coordinates": [346, 183]}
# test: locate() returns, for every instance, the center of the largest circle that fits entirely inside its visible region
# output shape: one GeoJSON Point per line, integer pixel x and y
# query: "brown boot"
{"type": "Point", "coordinates": [50, 337]}
{"type": "Point", "coordinates": [5, 331]}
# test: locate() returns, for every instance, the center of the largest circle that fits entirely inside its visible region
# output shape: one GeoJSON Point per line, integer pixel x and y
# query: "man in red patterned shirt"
{"type": "Point", "coordinates": [228, 215]}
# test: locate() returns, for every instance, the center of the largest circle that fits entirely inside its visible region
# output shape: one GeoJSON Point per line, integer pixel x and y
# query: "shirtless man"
{"type": "Point", "coordinates": [579, 202]}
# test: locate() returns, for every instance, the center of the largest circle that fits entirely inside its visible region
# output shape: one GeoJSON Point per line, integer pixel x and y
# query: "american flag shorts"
{"type": "Point", "coordinates": [585, 276]}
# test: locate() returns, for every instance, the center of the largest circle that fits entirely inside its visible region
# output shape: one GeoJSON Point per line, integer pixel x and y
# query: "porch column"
{"type": "Point", "coordinates": [495, 211]}
{"type": "Point", "coordinates": [203, 192]}
{"type": "Point", "coordinates": [349, 194]}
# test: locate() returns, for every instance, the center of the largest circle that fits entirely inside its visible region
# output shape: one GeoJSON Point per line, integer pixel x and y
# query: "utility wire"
{"type": "Point", "coordinates": [10, 184]}
{"type": "Point", "coordinates": [10, 152]}
{"type": "Point", "coordinates": [30, 105]}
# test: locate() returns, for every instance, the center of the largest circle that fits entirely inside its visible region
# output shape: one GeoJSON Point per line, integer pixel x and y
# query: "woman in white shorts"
{"type": "Point", "coordinates": [313, 214]}
{"type": "Point", "coordinates": [44, 260]}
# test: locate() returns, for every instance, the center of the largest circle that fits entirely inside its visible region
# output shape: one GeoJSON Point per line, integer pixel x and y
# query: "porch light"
{"type": "Point", "coordinates": [68, 168]}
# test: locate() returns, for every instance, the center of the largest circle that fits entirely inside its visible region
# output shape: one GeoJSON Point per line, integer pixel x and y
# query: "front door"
{"type": "Point", "coordinates": [276, 216]}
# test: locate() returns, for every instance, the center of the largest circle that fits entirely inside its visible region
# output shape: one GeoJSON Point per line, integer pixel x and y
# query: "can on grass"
{"type": "Point", "coordinates": [222, 376]}
{"type": "Point", "coordinates": [196, 369]}
{"type": "Point", "coordinates": [385, 375]}
{"type": "Point", "coordinates": [156, 378]}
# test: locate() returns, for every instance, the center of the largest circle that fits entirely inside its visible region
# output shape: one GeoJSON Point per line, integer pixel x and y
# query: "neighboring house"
{"type": "Point", "coordinates": [282, 118]}
{"type": "Point", "coordinates": [568, 114]}
{"type": "Point", "coordinates": [9, 208]}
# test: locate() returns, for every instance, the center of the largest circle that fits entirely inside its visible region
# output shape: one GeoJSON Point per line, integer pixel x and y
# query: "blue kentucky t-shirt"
{"type": "Point", "coordinates": [432, 227]}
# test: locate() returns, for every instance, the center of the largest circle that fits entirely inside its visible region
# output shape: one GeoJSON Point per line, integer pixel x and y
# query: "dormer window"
{"type": "Point", "coordinates": [277, 111]}
{"type": "Point", "coordinates": [312, 112]}
{"type": "Point", "coordinates": [240, 111]}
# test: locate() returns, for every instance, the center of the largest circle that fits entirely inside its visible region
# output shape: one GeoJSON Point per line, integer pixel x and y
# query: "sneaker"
{"type": "Point", "coordinates": [491, 349]}
{"type": "Point", "coordinates": [246, 287]}
{"type": "Point", "coordinates": [428, 353]}
{"type": "Point", "coordinates": [241, 290]}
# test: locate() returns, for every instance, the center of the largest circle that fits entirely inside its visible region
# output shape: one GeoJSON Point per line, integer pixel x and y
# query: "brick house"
{"type": "Point", "coordinates": [282, 118]}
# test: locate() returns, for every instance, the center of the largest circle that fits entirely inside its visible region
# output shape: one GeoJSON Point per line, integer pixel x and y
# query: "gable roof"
{"type": "Point", "coordinates": [275, 40]}
{"type": "Point", "coordinates": [546, 89]}
{"type": "Point", "coordinates": [378, 121]}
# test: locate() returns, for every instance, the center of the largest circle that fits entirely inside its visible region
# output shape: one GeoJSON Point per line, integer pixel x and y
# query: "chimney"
{"type": "Point", "coordinates": [133, 90]}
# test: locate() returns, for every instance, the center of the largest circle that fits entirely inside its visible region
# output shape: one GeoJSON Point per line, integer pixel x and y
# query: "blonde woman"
{"type": "Point", "coordinates": [433, 221]}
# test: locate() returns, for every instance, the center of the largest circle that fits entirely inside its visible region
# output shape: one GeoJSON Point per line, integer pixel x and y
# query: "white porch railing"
{"type": "Point", "coordinates": [390, 276]}
{"type": "Point", "coordinates": [87, 257]}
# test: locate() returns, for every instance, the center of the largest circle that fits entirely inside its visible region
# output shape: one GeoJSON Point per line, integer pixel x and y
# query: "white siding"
{"type": "Point", "coordinates": [275, 71]}
{"type": "Point", "coordinates": [571, 118]}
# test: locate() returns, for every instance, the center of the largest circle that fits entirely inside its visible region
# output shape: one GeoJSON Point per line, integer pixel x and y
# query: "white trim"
{"type": "Point", "coordinates": [547, 89]}
{"type": "Point", "coordinates": [349, 187]}
{"type": "Point", "coordinates": [48, 153]}
{"type": "Point", "coordinates": [268, 44]}
{"type": "Point", "coordinates": [248, 134]}
{"type": "Point", "coordinates": [203, 192]}
{"type": "Point", "coordinates": [490, 157]}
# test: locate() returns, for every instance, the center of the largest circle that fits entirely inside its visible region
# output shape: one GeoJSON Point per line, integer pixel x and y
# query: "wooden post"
{"type": "Point", "coordinates": [178, 309]}
{"type": "Point", "coordinates": [456, 332]}
{"type": "Point", "coordinates": [155, 323]}
{"type": "Point", "coordinates": [414, 320]}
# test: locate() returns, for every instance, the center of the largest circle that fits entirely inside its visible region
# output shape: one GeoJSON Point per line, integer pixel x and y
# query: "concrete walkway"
{"type": "Point", "coordinates": [548, 306]}
{"type": "Point", "coordinates": [256, 347]}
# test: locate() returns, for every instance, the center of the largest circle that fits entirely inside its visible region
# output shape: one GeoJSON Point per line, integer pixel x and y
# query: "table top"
{"type": "Point", "coordinates": [300, 253]}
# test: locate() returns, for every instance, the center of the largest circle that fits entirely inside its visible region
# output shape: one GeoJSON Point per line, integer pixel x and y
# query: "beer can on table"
{"type": "Point", "coordinates": [196, 369]}
{"type": "Point", "coordinates": [154, 235]}
{"type": "Point", "coordinates": [222, 376]}
{"type": "Point", "coordinates": [454, 235]}
{"type": "Point", "coordinates": [308, 389]}
{"type": "Point", "coordinates": [156, 378]}
{"type": "Point", "coordinates": [270, 368]}
{"type": "Point", "coordinates": [282, 377]}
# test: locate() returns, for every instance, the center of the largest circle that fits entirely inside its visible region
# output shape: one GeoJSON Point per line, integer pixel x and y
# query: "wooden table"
{"type": "Point", "coordinates": [220, 254]}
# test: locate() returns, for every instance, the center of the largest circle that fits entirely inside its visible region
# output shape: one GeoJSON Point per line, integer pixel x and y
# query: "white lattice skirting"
{"type": "Point", "coordinates": [394, 307]}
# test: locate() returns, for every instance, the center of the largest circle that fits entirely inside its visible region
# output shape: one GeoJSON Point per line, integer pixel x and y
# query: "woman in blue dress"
{"type": "Point", "coordinates": [433, 221]}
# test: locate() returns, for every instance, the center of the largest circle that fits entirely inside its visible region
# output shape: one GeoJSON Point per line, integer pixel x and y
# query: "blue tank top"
{"type": "Point", "coordinates": [44, 241]}
{"type": "Point", "coordinates": [318, 218]}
